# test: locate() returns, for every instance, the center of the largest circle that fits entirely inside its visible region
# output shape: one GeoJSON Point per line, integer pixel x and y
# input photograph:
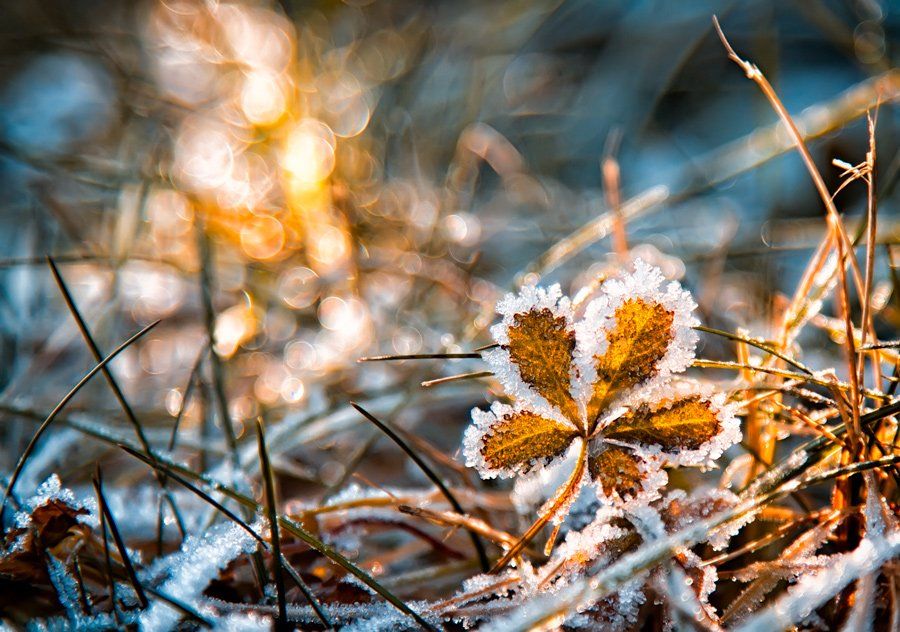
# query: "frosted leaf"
{"type": "Point", "coordinates": [645, 283]}
{"type": "Point", "coordinates": [52, 490]}
{"type": "Point", "coordinates": [627, 477]}
{"type": "Point", "coordinates": [189, 571]}
{"type": "Point", "coordinates": [532, 300]}
{"type": "Point", "coordinates": [721, 429]}
{"type": "Point", "coordinates": [507, 441]}
{"type": "Point", "coordinates": [606, 379]}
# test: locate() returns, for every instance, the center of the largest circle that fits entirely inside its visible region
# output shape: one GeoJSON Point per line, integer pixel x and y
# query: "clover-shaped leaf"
{"type": "Point", "coordinates": [603, 383]}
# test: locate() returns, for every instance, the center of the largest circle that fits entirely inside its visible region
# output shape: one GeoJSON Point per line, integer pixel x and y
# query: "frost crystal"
{"type": "Point", "coordinates": [51, 490]}
{"type": "Point", "coordinates": [190, 570]}
{"type": "Point", "coordinates": [815, 588]}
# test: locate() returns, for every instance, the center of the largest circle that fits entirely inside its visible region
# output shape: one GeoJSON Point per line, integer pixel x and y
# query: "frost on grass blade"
{"type": "Point", "coordinates": [687, 587]}
{"type": "Point", "coordinates": [634, 332]}
{"type": "Point", "coordinates": [537, 343]}
{"type": "Point", "coordinates": [815, 588]}
{"type": "Point", "coordinates": [189, 571]}
{"type": "Point", "coordinates": [243, 622]}
{"type": "Point", "coordinates": [381, 616]}
{"type": "Point", "coordinates": [66, 587]}
{"type": "Point", "coordinates": [680, 510]}
{"type": "Point", "coordinates": [797, 558]}
{"type": "Point", "coordinates": [508, 441]}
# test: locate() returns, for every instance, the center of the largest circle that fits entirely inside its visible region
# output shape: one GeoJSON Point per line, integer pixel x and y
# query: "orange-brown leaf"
{"type": "Point", "coordinates": [54, 528]}
{"type": "Point", "coordinates": [616, 470]}
{"type": "Point", "coordinates": [640, 339]}
{"type": "Point", "coordinates": [541, 345]}
{"type": "Point", "coordinates": [522, 438]}
{"type": "Point", "coordinates": [686, 424]}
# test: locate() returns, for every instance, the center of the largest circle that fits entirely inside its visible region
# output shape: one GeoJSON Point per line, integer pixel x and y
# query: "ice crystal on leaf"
{"type": "Point", "coordinates": [601, 387]}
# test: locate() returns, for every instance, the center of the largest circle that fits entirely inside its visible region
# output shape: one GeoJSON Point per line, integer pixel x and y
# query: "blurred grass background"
{"type": "Point", "coordinates": [308, 183]}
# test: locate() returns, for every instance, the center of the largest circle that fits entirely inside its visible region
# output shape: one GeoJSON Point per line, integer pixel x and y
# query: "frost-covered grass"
{"type": "Point", "coordinates": [582, 448]}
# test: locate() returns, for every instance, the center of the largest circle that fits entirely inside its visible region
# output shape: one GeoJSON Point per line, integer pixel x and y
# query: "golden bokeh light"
{"type": "Point", "coordinates": [308, 156]}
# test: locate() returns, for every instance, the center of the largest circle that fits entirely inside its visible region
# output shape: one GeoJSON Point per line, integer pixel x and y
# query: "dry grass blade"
{"type": "Point", "coordinates": [114, 386]}
{"type": "Point", "coordinates": [272, 513]}
{"type": "Point", "coordinates": [110, 577]}
{"type": "Point", "coordinates": [98, 355]}
{"type": "Point", "coordinates": [420, 356]}
{"type": "Point", "coordinates": [110, 522]}
{"type": "Point", "coordinates": [432, 476]}
{"type": "Point", "coordinates": [757, 344]}
{"type": "Point", "coordinates": [447, 519]}
{"type": "Point", "coordinates": [59, 408]}
{"type": "Point", "coordinates": [456, 378]}
{"type": "Point", "coordinates": [209, 321]}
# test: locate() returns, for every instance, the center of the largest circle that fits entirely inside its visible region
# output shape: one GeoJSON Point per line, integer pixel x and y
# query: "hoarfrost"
{"type": "Point", "coordinates": [242, 622]}
{"type": "Point", "coordinates": [190, 570]}
{"type": "Point", "coordinates": [66, 587]}
{"type": "Point", "coordinates": [815, 588]}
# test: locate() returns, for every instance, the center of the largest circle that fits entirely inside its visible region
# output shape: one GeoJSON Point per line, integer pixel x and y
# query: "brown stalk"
{"type": "Point", "coordinates": [812, 423]}
{"type": "Point", "coordinates": [844, 251]}
{"type": "Point", "coordinates": [562, 496]}
{"type": "Point", "coordinates": [871, 236]}
{"type": "Point", "coordinates": [612, 191]}
{"type": "Point", "coordinates": [450, 519]}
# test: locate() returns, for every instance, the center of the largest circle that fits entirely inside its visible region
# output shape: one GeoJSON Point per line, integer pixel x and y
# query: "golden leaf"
{"type": "Point", "coordinates": [642, 334]}
{"type": "Point", "coordinates": [616, 470]}
{"type": "Point", "coordinates": [541, 345]}
{"type": "Point", "coordinates": [685, 424]}
{"type": "Point", "coordinates": [520, 439]}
